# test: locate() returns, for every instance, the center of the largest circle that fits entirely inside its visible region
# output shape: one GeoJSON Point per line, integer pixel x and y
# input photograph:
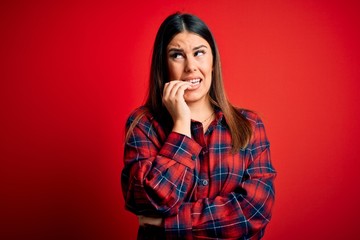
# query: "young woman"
{"type": "Point", "coordinates": [195, 167]}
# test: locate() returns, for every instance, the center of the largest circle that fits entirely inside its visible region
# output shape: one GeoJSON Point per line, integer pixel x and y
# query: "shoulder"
{"type": "Point", "coordinates": [140, 115]}
{"type": "Point", "coordinates": [141, 122]}
{"type": "Point", "coordinates": [259, 137]}
{"type": "Point", "coordinates": [251, 116]}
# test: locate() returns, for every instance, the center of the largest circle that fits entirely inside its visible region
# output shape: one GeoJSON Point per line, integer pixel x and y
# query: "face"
{"type": "Point", "coordinates": [189, 58]}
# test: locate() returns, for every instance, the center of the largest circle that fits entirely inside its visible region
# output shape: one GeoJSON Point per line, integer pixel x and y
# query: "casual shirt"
{"type": "Point", "coordinates": [199, 186]}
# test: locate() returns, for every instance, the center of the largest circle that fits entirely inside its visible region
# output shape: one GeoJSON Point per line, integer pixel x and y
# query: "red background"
{"type": "Point", "coordinates": [71, 72]}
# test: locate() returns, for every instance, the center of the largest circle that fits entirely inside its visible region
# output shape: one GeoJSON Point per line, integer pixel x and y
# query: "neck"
{"type": "Point", "coordinates": [200, 111]}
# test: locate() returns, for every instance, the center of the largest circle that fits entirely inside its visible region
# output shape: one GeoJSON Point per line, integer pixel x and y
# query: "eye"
{"type": "Point", "coordinates": [199, 53]}
{"type": "Point", "coordinates": [176, 55]}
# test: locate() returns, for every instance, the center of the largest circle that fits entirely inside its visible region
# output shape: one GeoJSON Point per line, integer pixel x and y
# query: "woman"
{"type": "Point", "coordinates": [195, 166]}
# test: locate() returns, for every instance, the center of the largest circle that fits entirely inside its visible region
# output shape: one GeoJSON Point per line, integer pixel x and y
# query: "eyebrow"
{"type": "Point", "coordinates": [180, 49]}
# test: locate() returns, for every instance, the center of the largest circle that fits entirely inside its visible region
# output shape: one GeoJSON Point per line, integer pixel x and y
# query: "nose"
{"type": "Point", "coordinates": [190, 65]}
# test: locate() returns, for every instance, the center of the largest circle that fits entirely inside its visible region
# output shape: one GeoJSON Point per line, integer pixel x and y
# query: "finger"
{"type": "Point", "coordinates": [171, 88]}
{"type": "Point", "coordinates": [181, 90]}
{"type": "Point", "coordinates": [168, 86]}
{"type": "Point", "coordinates": [166, 91]}
{"type": "Point", "coordinates": [174, 93]}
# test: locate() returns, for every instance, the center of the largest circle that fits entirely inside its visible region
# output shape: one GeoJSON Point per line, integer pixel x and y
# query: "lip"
{"type": "Point", "coordinates": [194, 81]}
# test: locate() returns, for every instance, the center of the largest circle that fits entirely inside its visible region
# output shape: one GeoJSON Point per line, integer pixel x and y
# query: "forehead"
{"type": "Point", "coordinates": [187, 40]}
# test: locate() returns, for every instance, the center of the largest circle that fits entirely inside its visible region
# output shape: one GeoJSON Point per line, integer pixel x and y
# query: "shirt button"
{"type": "Point", "coordinates": [193, 157]}
{"type": "Point", "coordinates": [205, 182]}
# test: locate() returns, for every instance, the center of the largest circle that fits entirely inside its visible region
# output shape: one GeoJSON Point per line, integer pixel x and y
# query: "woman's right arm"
{"type": "Point", "coordinates": [157, 175]}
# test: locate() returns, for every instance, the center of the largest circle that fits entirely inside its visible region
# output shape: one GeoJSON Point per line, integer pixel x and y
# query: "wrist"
{"type": "Point", "coordinates": [182, 127]}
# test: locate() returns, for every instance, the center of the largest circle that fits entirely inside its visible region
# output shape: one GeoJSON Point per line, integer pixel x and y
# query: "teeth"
{"type": "Point", "coordinates": [197, 80]}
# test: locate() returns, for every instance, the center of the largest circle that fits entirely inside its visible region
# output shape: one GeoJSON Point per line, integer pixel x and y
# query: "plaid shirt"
{"type": "Point", "coordinates": [200, 188]}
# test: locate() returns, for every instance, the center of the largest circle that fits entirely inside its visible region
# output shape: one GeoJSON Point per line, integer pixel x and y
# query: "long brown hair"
{"type": "Point", "coordinates": [239, 126]}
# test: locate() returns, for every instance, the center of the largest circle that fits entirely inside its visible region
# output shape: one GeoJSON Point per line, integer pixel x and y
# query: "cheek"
{"type": "Point", "coordinates": [173, 71]}
{"type": "Point", "coordinates": [208, 69]}
{"type": "Point", "coordinates": [208, 66]}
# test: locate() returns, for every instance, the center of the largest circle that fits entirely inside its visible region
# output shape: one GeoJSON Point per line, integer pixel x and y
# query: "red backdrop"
{"type": "Point", "coordinates": [71, 72]}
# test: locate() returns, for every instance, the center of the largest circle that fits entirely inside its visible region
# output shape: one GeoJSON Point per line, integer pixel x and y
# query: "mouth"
{"type": "Point", "coordinates": [194, 81]}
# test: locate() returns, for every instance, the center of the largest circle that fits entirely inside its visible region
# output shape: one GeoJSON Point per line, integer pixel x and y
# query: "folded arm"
{"type": "Point", "coordinates": [157, 176]}
{"type": "Point", "coordinates": [239, 214]}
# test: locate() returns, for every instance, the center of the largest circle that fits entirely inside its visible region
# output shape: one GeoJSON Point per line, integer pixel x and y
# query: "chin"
{"type": "Point", "coordinates": [192, 99]}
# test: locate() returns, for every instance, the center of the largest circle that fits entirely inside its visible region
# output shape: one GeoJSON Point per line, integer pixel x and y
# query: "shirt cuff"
{"type": "Point", "coordinates": [181, 148]}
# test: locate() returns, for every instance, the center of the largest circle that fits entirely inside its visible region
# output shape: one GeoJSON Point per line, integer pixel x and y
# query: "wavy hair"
{"type": "Point", "coordinates": [239, 126]}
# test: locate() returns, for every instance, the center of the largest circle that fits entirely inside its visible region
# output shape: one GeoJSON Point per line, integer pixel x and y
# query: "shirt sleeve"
{"type": "Point", "coordinates": [241, 214]}
{"type": "Point", "coordinates": [157, 176]}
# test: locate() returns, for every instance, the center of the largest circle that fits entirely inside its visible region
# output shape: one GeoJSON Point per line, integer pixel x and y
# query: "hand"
{"type": "Point", "coordinates": [173, 99]}
{"type": "Point", "coordinates": [150, 221]}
